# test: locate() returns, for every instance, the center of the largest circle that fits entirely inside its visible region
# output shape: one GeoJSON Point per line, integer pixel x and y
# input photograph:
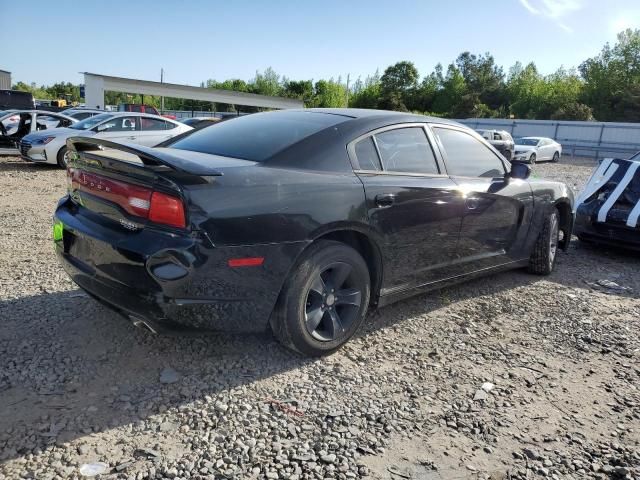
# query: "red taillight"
{"type": "Point", "coordinates": [134, 199]}
{"type": "Point", "coordinates": [246, 262]}
{"type": "Point", "coordinates": [167, 210]}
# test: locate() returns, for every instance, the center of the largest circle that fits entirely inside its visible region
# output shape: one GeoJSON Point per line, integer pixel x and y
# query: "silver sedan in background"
{"type": "Point", "coordinates": [50, 146]}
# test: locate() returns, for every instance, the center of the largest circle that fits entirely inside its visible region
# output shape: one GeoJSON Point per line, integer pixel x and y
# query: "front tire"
{"type": "Point", "coordinates": [62, 157]}
{"type": "Point", "coordinates": [556, 157]}
{"type": "Point", "coordinates": [508, 155]}
{"type": "Point", "coordinates": [543, 258]}
{"type": "Point", "coordinates": [532, 159]}
{"type": "Point", "coordinates": [324, 301]}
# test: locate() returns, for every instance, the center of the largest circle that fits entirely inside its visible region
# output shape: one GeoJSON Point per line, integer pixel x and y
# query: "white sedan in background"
{"type": "Point", "coordinates": [50, 146]}
{"type": "Point", "coordinates": [537, 149]}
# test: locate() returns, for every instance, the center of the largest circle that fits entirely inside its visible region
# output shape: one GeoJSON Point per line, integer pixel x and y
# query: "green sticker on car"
{"type": "Point", "coordinates": [58, 229]}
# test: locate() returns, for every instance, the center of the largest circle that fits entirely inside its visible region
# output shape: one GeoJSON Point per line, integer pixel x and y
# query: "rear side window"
{"type": "Point", "coordinates": [259, 136]}
{"type": "Point", "coordinates": [367, 155]}
{"type": "Point", "coordinates": [148, 124]}
{"type": "Point", "coordinates": [406, 150]}
{"type": "Point", "coordinates": [468, 157]}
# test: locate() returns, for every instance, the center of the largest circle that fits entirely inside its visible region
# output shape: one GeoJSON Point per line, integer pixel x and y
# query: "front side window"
{"type": "Point", "coordinates": [468, 157]}
{"type": "Point", "coordinates": [118, 124]}
{"type": "Point", "coordinates": [89, 123]}
{"type": "Point", "coordinates": [497, 136]}
{"type": "Point", "coordinates": [406, 150]}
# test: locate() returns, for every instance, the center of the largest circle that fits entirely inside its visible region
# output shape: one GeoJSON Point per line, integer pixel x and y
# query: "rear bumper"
{"type": "Point", "coordinates": [171, 282]}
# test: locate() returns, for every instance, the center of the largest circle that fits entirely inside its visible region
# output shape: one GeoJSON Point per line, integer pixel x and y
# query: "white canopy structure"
{"type": "Point", "coordinates": [96, 84]}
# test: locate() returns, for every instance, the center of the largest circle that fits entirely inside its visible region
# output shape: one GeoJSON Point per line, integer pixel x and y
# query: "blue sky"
{"type": "Point", "coordinates": [197, 40]}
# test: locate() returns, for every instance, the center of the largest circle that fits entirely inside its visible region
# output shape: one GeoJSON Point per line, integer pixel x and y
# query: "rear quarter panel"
{"type": "Point", "coordinates": [262, 204]}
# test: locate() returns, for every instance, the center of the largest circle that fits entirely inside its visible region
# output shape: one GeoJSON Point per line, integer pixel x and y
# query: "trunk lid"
{"type": "Point", "coordinates": [133, 186]}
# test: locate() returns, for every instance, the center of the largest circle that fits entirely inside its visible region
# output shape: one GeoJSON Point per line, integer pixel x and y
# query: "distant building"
{"type": "Point", "coordinates": [5, 80]}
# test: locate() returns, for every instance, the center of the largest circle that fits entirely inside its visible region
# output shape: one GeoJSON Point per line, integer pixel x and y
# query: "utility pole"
{"type": "Point", "coordinates": [347, 90]}
{"type": "Point", "coordinates": [162, 98]}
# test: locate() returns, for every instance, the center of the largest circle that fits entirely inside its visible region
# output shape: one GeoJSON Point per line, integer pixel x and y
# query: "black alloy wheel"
{"type": "Point", "coordinates": [324, 301]}
{"type": "Point", "coordinates": [333, 302]}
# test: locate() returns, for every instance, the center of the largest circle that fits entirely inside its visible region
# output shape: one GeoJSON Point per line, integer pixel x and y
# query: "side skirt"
{"type": "Point", "coordinates": [399, 293]}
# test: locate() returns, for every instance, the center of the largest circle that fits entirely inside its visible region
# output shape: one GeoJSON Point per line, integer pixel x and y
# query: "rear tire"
{"type": "Point", "coordinates": [62, 157]}
{"type": "Point", "coordinates": [532, 159]}
{"type": "Point", "coordinates": [543, 258]}
{"type": "Point", "coordinates": [324, 301]}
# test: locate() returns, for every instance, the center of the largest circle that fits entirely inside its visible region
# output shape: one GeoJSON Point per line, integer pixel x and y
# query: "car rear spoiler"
{"type": "Point", "coordinates": [147, 155]}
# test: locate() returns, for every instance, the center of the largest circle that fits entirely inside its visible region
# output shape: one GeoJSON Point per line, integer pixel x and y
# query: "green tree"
{"type": "Point", "coordinates": [366, 94]}
{"type": "Point", "coordinates": [37, 92]}
{"type": "Point", "coordinates": [330, 94]}
{"type": "Point", "coordinates": [301, 89]}
{"type": "Point", "coordinates": [484, 78]}
{"type": "Point", "coordinates": [611, 78]}
{"type": "Point", "coordinates": [267, 83]}
{"type": "Point", "coordinates": [397, 84]}
{"type": "Point", "coordinates": [450, 98]}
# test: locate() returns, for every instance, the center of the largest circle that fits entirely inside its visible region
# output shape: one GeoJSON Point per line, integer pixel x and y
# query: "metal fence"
{"type": "Point", "coordinates": [584, 139]}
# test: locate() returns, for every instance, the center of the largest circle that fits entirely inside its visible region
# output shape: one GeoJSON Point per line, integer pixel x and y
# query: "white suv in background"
{"type": "Point", "coordinates": [123, 127]}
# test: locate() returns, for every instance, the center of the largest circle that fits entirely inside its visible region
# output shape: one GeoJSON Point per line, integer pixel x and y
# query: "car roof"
{"type": "Point", "coordinates": [364, 113]}
{"type": "Point", "coordinates": [139, 114]}
{"type": "Point", "coordinates": [84, 109]}
{"type": "Point", "coordinates": [44, 112]}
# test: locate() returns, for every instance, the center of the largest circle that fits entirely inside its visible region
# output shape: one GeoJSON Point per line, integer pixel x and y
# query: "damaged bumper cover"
{"type": "Point", "coordinates": [608, 209]}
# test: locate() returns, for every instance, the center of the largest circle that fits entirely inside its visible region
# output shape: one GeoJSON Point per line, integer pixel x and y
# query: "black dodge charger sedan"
{"type": "Point", "coordinates": [300, 220]}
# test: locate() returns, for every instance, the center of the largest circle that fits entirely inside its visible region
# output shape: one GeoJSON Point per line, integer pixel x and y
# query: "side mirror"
{"type": "Point", "coordinates": [519, 170]}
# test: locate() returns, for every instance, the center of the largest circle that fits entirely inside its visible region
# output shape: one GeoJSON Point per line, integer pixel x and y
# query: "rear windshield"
{"type": "Point", "coordinates": [528, 141]}
{"type": "Point", "coordinates": [259, 136]}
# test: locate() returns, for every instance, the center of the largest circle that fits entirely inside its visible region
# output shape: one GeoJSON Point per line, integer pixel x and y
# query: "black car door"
{"type": "Point", "coordinates": [14, 127]}
{"type": "Point", "coordinates": [413, 206]}
{"type": "Point", "coordinates": [497, 209]}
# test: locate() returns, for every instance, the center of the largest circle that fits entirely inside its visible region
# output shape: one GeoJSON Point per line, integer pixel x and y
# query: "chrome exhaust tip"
{"type": "Point", "coordinates": [141, 323]}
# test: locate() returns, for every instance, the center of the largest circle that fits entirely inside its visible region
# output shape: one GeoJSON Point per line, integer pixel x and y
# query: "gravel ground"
{"type": "Point", "coordinates": [512, 376]}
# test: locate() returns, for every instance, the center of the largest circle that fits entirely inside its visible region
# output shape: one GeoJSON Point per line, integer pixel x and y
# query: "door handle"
{"type": "Point", "coordinates": [385, 199]}
{"type": "Point", "coordinates": [131, 138]}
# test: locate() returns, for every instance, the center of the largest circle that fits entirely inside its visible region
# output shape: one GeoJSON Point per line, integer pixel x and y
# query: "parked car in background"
{"type": "Point", "coordinates": [537, 149]}
{"type": "Point", "coordinates": [608, 208]}
{"type": "Point", "coordinates": [501, 140]}
{"type": "Point", "coordinates": [16, 99]}
{"type": "Point", "coordinates": [299, 219]}
{"type": "Point", "coordinates": [50, 146]}
{"type": "Point", "coordinates": [80, 113]}
{"type": "Point", "coordinates": [134, 107]}
{"type": "Point", "coordinates": [16, 124]}
{"type": "Point", "coordinates": [201, 122]}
